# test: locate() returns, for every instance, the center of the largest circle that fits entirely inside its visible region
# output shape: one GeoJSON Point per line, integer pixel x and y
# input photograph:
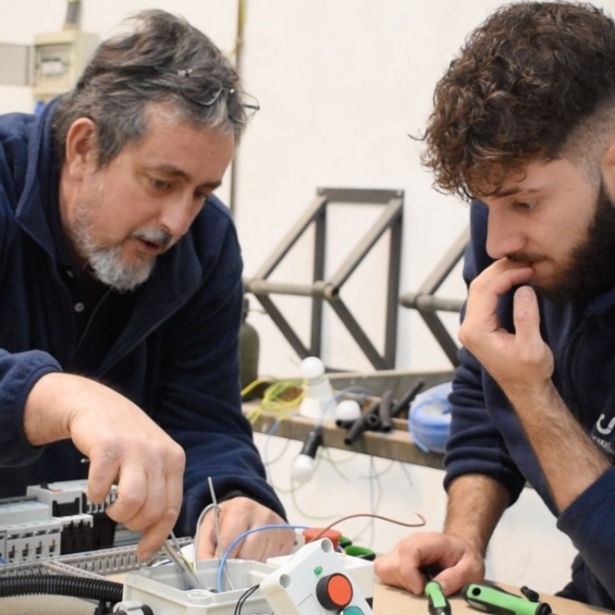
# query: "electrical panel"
{"type": "Point", "coordinates": [67, 500]}
{"type": "Point", "coordinates": [28, 531]}
{"type": "Point", "coordinates": [59, 61]}
{"type": "Point", "coordinates": [53, 519]}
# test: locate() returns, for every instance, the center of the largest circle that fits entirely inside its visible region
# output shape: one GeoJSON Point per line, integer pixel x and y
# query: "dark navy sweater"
{"type": "Point", "coordinates": [171, 346]}
{"type": "Point", "coordinates": [487, 437]}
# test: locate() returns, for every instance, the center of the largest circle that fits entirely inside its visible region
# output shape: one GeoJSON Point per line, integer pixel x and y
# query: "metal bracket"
{"type": "Point", "coordinates": [427, 304]}
{"type": "Point", "coordinates": [329, 290]}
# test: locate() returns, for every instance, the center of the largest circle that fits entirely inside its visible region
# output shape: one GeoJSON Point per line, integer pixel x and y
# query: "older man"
{"type": "Point", "coordinates": [120, 292]}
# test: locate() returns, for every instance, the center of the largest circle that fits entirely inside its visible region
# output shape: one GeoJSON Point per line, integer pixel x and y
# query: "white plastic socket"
{"type": "Point", "coordinates": [347, 410]}
{"type": "Point", "coordinates": [317, 389]}
{"type": "Point", "coordinates": [303, 468]}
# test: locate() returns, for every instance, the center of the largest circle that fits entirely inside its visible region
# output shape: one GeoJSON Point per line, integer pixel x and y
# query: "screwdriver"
{"type": "Point", "coordinates": [438, 603]}
{"type": "Point", "coordinates": [493, 599]}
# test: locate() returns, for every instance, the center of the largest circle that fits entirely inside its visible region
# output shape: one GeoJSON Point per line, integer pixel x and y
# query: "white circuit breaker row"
{"type": "Point", "coordinates": [51, 520]}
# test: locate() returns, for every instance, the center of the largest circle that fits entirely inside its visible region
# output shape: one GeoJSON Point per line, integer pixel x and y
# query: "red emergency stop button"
{"type": "Point", "coordinates": [334, 591]}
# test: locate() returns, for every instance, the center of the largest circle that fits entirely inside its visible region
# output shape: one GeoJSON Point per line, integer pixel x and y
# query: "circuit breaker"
{"type": "Point", "coordinates": [59, 61]}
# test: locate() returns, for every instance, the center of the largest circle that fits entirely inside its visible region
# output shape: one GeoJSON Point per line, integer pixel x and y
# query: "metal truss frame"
{"type": "Point", "coordinates": [321, 290]}
{"type": "Point", "coordinates": [428, 304]}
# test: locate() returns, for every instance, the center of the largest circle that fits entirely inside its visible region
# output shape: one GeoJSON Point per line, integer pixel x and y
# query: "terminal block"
{"type": "Point", "coordinates": [53, 519]}
{"type": "Point", "coordinates": [28, 532]}
{"type": "Point", "coordinates": [67, 499]}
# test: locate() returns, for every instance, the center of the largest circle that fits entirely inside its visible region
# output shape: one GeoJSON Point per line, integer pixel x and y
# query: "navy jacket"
{"type": "Point", "coordinates": [171, 346]}
{"type": "Point", "coordinates": [487, 438]}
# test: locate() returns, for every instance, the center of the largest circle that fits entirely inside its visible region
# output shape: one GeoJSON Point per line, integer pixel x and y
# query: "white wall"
{"type": "Point", "coordinates": [341, 84]}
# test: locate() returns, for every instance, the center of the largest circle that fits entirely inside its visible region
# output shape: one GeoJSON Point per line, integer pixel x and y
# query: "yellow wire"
{"type": "Point", "coordinates": [273, 397]}
{"type": "Point", "coordinates": [250, 387]}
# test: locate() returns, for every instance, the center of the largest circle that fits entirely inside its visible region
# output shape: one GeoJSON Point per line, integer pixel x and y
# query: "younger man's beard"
{"type": "Point", "coordinates": [590, 271]}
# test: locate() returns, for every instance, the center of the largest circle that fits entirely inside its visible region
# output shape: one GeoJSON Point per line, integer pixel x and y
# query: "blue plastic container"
{"type": "Point", "coordinates": [429, 421]}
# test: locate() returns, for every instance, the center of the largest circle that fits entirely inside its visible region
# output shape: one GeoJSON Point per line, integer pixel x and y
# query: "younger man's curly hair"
{"type": "Point", "coordinates": [536, 81]}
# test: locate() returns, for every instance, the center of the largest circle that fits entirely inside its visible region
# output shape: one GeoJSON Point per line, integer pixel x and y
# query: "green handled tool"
{"type": "Point", "coordinates": [438, 604]}
{"type": "Point", "coordinates": [492, 599]}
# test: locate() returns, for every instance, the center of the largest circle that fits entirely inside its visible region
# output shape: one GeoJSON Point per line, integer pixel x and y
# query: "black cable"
{"type": "Point", "coordinates": [103, 608]}
{"type": "Point", "coordinates": [363, 423]}
{"type": "Point", "coordinates": [530, 594]}
{"type": "Point", "coordinates": [384, 411]}
{"type": "Point", "coordinates": [407, 398]}
{"type": "Point", "coordinates": [57, 585]}
{"type": "Point", "coordinates": [243, 598]}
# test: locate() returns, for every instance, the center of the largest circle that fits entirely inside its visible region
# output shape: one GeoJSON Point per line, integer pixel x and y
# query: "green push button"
{"type": "Point", "coordinates": [352, 610]}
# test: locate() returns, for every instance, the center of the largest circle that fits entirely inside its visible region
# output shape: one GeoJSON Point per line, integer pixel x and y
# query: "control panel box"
{"type": "Point", "coordinates": [314, 582]}
{"type": "Point", "coordinates": [59, 61]}
{"type": "Point", "coordinates": [360, 570]}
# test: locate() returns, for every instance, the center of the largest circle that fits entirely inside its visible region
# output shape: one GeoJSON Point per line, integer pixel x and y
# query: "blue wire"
{"type": "Point", "coordinates": [3, 561]}
{"type": "Point", "coordinates": [274, 427]}
{"type": "Point", "coordinates": [273, 526]}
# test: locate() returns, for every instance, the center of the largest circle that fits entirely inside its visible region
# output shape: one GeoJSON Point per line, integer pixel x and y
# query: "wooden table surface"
{"type": "Point", "coordinates": [393, 601]}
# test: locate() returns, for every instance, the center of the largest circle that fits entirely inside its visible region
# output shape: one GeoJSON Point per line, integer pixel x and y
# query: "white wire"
{"type": "Point", "coordinates": [216, 508]}
{"type": "Point", "coordinates": [198, 529]}
{"type": "Point", "coordinates": [378, 473]}
{"type": "Point", "coordinates": [374, 501]}
{"type": "Point", "coordinates": [265, 455]}
{"type": "Point", "coordinates": [212, 491]}
{"type": "Point", "coordinates": [175, 541]}
{"type": "Point", "coordinates": [270, 462]}
{"type": "Point", "coordinates": [374, 481]}
{"type": "Point", "coordinates": [406, 471]}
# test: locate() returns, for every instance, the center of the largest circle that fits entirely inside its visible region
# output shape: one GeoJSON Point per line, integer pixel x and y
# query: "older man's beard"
{"type": "Point", "coordinates": [105, 262]}
{"type": "Point", "coordinates": [590, 269]}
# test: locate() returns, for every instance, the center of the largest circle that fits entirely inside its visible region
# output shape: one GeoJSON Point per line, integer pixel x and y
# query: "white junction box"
{"type": "Point", "coordinates": [287, 585]}
{"type": "Point", "coordinates": [164, 590]}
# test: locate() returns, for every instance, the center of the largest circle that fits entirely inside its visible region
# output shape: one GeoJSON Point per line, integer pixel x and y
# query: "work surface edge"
{"type": "Point", "coordinates": [387, 601]}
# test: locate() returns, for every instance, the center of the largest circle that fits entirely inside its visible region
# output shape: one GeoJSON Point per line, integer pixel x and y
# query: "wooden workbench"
{"type": "Point", "coordinates": [393, 601]}
{"type": "Point", "coordinates": [396, 445]}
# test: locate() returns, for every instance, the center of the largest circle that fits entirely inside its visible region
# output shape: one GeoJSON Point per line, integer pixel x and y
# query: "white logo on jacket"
{"type": "Point", "coordinates": [605, 431]}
